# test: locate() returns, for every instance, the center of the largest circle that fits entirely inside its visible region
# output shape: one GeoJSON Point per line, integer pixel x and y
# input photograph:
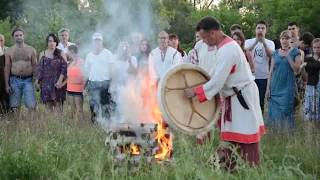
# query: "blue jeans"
{"type": "Point", "coordinates": [99, 98]}
{"type": "Point", "coordinates": [21, 87]}
{"type": "Point", "coordinates": [262, 86]}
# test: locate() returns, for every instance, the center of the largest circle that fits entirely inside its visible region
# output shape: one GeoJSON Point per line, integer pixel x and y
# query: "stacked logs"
{"type": "Point", "coordinates": [134, 143]}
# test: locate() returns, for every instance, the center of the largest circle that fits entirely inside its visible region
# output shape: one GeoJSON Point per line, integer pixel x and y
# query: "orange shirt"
{"type": "Point", "coordinates": [75, 76]}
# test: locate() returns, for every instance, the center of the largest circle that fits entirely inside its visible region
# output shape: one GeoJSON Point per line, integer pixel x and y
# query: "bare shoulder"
{"type": "Point", "coordinates": [10, 50]}
{"type": "Point", "coordinates": [30, 48]}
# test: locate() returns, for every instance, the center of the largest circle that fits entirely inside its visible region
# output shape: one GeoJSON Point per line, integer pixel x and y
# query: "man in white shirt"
{"type": "Point", "coordinates": [98, 73]}
{"type": "Point", "coordinates": [262, 49]}
{"type": "Point", "coordinates": [64, 41]}
{"type": "Point", "coordinates": [162, 58]}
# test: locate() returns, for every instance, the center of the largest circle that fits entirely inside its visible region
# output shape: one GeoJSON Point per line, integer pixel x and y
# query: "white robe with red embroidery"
{"type": "Point", "coordinates": [204, 56]}
{"type": "Point", "coordinates": [232, 70]}
{"type": "Point", "coordinates": [157, 67]}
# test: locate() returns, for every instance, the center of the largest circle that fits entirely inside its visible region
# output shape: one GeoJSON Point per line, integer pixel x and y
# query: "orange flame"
{"type": "Point", "coordinates": [134, 149]}
{"type": "Point", "coordinates": [152, 114]}
{"type": "Point", "coordinates": [150, 101]}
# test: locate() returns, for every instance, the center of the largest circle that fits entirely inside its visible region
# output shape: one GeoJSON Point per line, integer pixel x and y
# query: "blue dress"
{"type": "Point", "coordinates": [282, 92]}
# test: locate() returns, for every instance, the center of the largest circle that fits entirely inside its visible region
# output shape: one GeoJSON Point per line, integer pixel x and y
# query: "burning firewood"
{"type": "Point", "coordinates": [138, 141]}
{"type": "Point", "coordinates": [144, 128]}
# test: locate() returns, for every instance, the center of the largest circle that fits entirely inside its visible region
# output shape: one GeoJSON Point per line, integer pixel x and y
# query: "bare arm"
{"type": "Point", "coordinates": [253, 45]}
{"type": "Point", "coordinates": [34, 61]}
{"type": "Point", "coordinates": [270, 75]}
{"type": "Point", "coordinates": [295, 65]}
{"type": "Point", "coordinates": [250, 60]}
{"type": "Point", "coordinates": [40, 56]}
{"type": "Point", "coordinates": [64, 68]}
{"type": "Point", "coordinates": [268, 50]}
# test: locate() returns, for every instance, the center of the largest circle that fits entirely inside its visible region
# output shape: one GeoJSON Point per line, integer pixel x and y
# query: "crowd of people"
{"type": "Point", "coordinates": [285, 71]}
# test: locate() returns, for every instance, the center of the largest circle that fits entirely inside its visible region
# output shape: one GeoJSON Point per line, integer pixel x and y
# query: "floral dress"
{"type": "Point", "coordinates": [48, 74]}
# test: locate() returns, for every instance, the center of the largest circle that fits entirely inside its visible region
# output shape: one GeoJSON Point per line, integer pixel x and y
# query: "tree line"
{"type": "Point", "coordinates": [83, 17]}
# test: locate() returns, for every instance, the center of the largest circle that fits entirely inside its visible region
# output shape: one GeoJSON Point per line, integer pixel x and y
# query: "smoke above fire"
{"type": "Point", "coordinates": [116, 21]}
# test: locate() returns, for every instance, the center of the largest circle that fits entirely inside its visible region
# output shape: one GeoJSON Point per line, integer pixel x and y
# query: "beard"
{"type": "Point", "coordinates": [19, 41]}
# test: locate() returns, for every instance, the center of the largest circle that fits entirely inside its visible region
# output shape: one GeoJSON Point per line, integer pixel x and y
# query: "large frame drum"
{"type": "Point", "coordinates": [186, 115]}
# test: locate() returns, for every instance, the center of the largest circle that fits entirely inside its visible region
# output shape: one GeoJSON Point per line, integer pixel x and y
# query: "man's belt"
{"type": "Point", "coordinates": [240, 98]}
{"type": "Point", "coordinates": [21, 77]}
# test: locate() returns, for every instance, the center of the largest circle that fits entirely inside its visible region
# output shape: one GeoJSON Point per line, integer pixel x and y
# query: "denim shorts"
{"type": "Point", "coordinates": [78, 94]}
{"type": "Point", "coordinates": [21, 87]}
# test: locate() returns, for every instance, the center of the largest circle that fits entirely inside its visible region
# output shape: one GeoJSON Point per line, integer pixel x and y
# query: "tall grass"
{"type": "Point", "coordinates": [50, 146]}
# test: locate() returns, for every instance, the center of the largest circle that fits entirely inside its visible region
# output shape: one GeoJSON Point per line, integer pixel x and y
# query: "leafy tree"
{"type": "Point", "coordinates": [182, 24]}
{"type": "Point", "coordinates": [5, 30]}
{"type": "Point", "coordinates": [11, 8]}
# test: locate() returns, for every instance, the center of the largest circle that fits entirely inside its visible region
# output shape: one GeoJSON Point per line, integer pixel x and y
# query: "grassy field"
{"type": "Point", "coordinates": [54, 147]}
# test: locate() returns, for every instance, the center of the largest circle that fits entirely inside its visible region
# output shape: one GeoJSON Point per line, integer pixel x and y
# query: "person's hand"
{"type": "Point", "coordinates": [58, 85]}
{"type": "Point", "coordinates": [37, 87]}
{"type": "Point", "coordinates": [84, 92]}
{"type": "Point", "coordinates": [263, 40]}
{"type": "Point", "coordinates": [258, 36]}
{"type": "Point", "coordinates": [303, 65]}
{"type": "Point", "coordinates": [190, 92]}
{"type": "Point", "coordinates": [128, 57]}
{"type": "Point", "coordinates": [268, 94]}
{"type": "Point", "coordinates": [8, 89]}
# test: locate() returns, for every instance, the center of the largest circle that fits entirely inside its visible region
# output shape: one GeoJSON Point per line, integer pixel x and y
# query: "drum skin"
{"type": "Point", "coordinates": [186, 115]}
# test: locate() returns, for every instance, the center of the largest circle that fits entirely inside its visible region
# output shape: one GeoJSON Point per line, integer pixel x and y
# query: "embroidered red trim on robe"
{"type": "Point", "coordinates": [233, 69]}
{"type": "Point", "coordinates": [243, 138]}
{"type": "Point", "coordinates": [200, 94]}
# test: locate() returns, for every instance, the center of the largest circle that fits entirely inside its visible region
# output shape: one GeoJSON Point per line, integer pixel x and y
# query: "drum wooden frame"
{"type": "Point", "coordinates": [186, 115]}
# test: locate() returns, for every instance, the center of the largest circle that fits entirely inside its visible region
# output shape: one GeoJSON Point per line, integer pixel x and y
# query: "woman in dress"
{"type": "Point", "coordinates": [312, 92]}
{"type": "Point", "coordinates": [51, 71]}
{"type": "Point", "coordinates": [239, 38]}
{"type": "Point", "coordinates": [281, 86]}
{"type": "Point", "coordinates": [174, 42]}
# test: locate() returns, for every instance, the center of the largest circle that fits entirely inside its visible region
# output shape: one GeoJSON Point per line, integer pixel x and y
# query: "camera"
{"type": "Point", "coordinates": [126, 50]}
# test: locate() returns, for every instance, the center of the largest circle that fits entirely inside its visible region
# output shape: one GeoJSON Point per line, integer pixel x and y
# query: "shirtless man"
{"type": "Point", "coordinates": [20, 67]}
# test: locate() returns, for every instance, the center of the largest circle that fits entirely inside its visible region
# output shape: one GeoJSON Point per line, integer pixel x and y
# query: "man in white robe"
{"type": "Point", "coordinates": [162, 58]}
{"type": "Point", "coordinates": [241, 123]}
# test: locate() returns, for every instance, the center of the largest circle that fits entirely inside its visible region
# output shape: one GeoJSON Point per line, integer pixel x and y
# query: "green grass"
{"type": "Point", "coordinates": [55, 147]}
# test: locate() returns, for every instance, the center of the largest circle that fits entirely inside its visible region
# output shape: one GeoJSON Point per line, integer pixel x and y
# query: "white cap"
{"type": "Point", "coordinates": [97, 36]}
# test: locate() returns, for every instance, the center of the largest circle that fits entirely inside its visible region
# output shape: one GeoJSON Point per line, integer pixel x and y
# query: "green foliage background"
{"type": "Point", "coordinates": [42, 17]}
